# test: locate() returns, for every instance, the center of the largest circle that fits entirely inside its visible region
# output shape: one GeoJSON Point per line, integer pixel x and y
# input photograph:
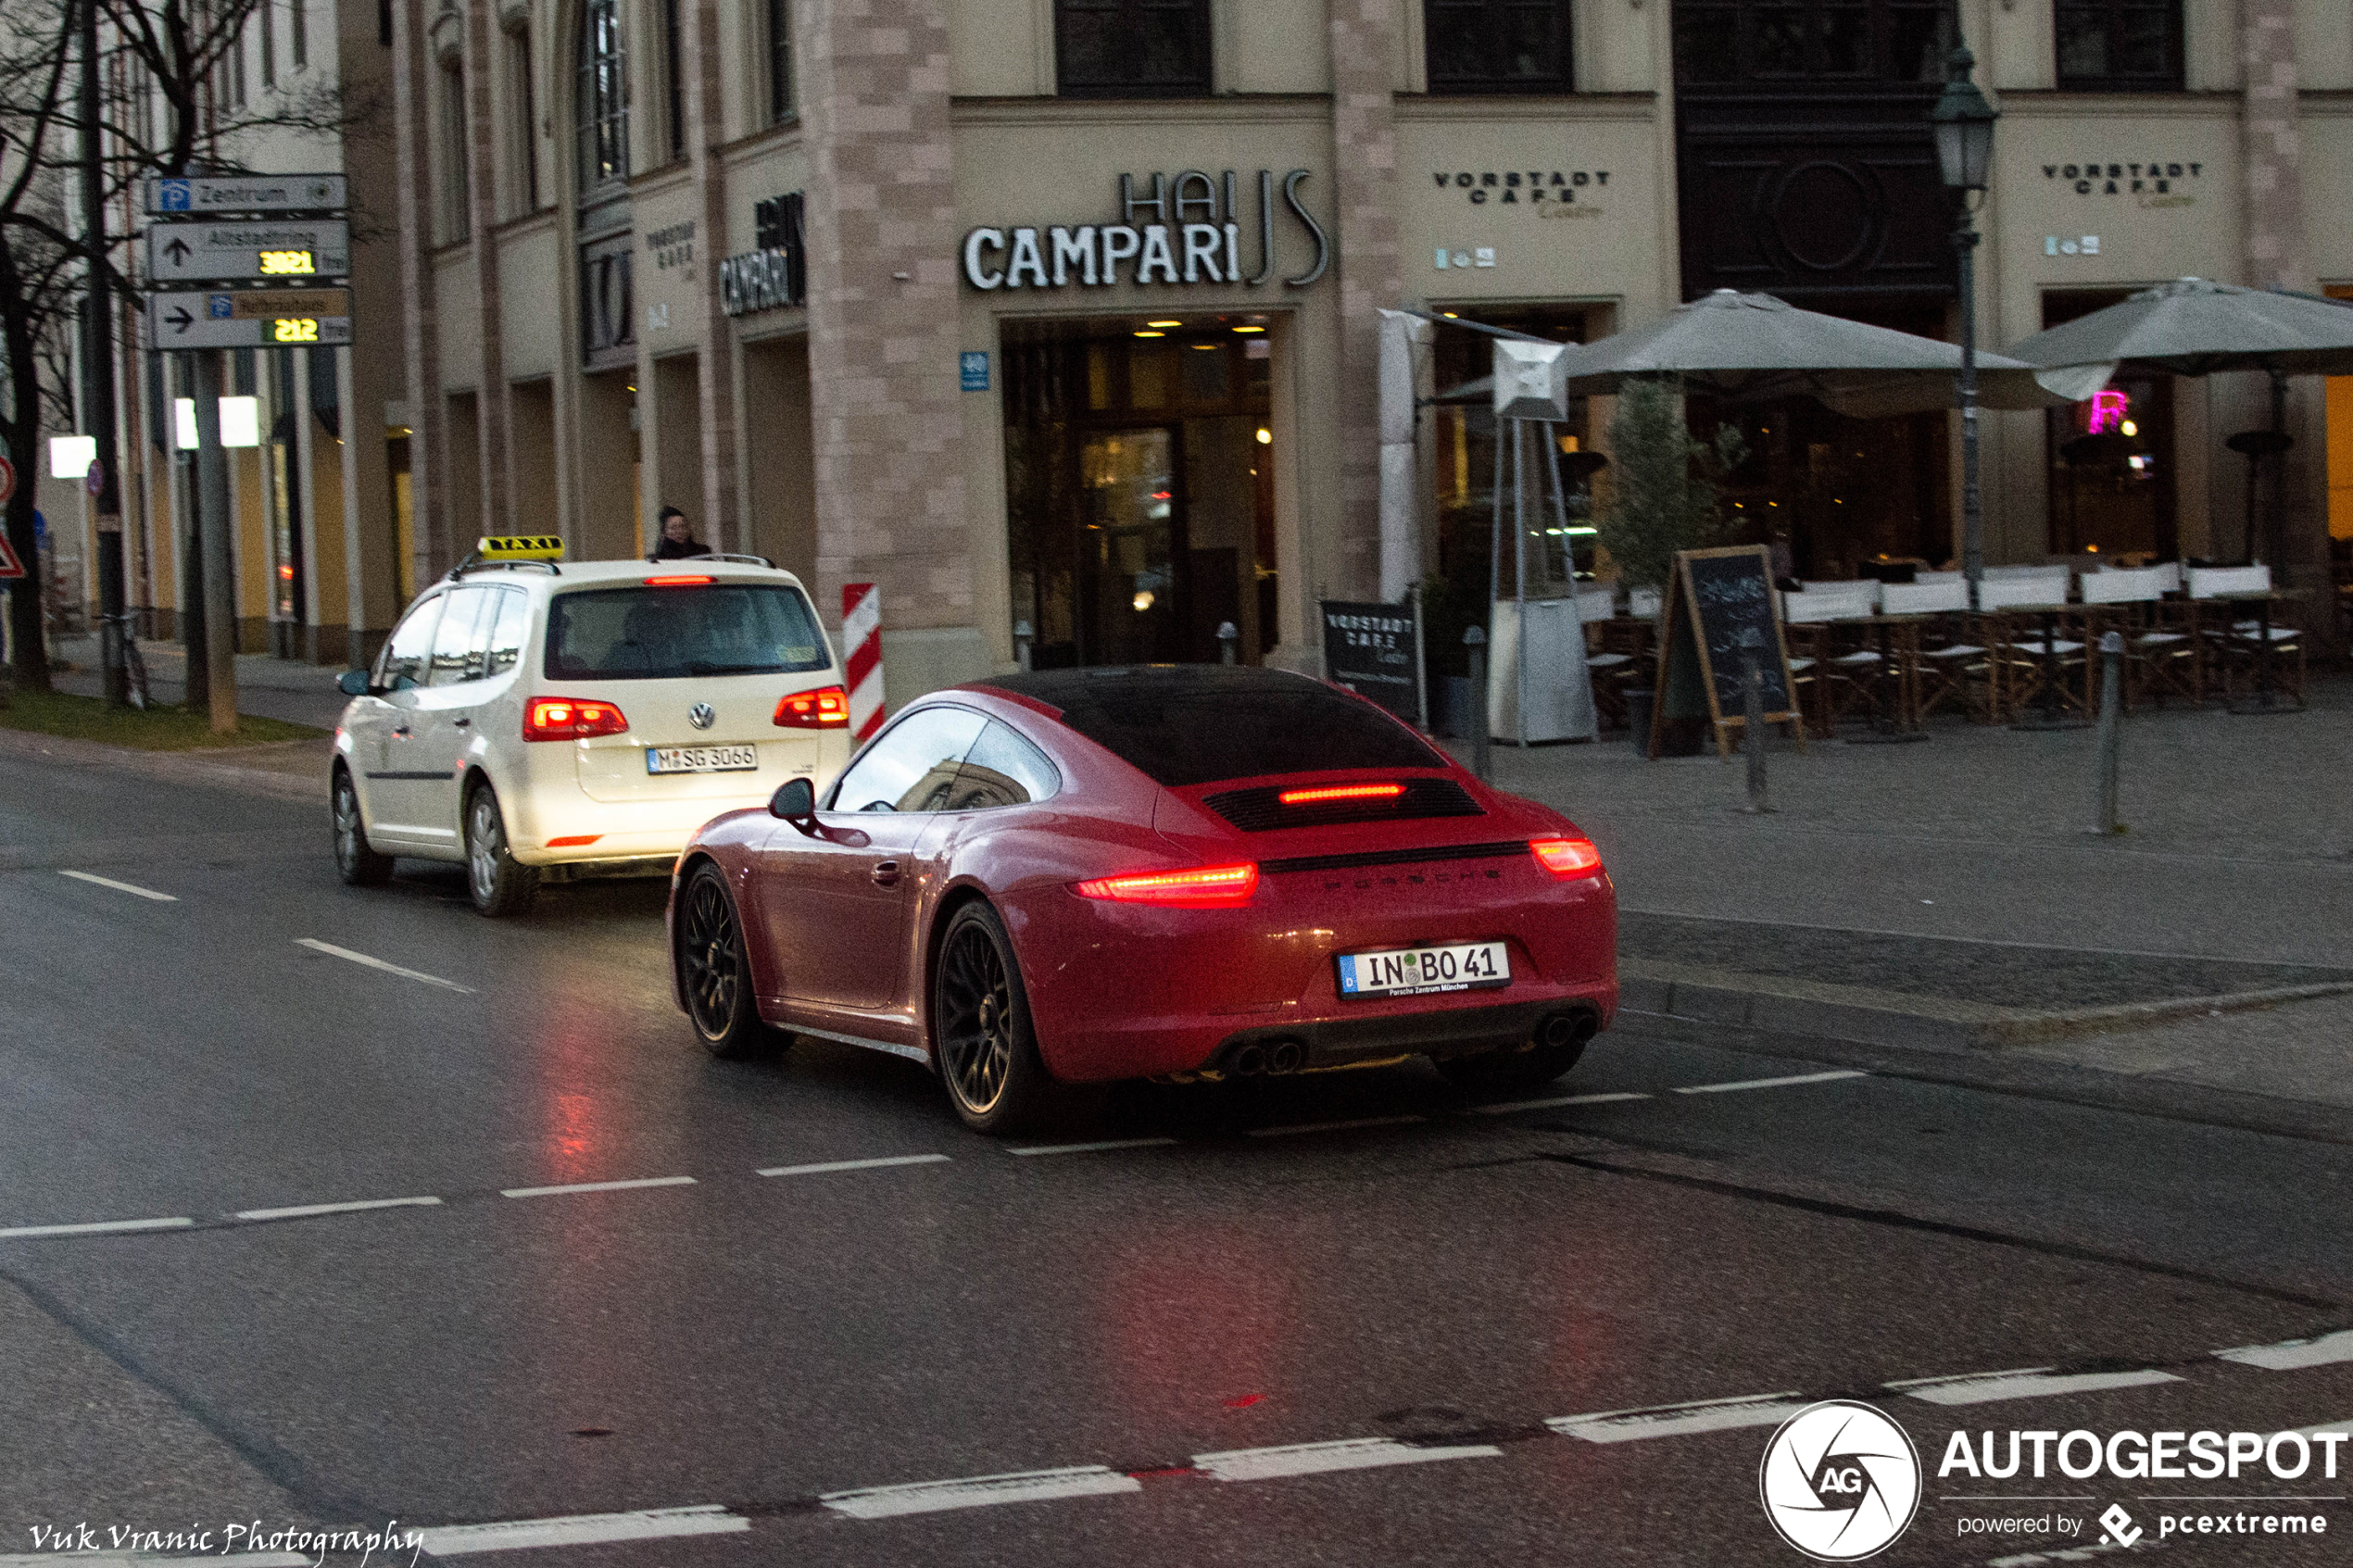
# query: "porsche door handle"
{"type": "Point", "coordinates": [885, 874]}
{"type": "Point", "coordinates": [401, 730]}
{"type": "Point", "coordinates": [461, 723]}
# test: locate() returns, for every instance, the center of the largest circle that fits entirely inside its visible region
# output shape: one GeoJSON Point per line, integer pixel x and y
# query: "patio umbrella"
{"type": "Point", "coordinates": [1754, 347]}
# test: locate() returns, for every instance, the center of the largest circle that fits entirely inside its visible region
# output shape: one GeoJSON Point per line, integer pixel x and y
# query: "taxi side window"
{"type": "Point", "coordinates": [455, 638]}
{"type": "Point", "coordinates": [1003, 770]}
{"type": "Point", "coordinates": [498, 635]}
{"type": "Point", "coordinates": [409, 647]}
{"type": "Point", "coordinates": [913, 767]}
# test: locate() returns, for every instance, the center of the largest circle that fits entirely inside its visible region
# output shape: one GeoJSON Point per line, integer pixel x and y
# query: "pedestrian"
{"type": "Point", "coordinates": [678, 541]}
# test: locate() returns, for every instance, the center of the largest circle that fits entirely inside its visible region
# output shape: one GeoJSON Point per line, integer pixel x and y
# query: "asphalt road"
{"type": "Point", "coordinates": [1438, 1286]}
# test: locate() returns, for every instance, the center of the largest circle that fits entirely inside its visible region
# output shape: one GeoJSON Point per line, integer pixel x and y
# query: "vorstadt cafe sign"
{"type": "Point", "coordinates": [1194, 235]}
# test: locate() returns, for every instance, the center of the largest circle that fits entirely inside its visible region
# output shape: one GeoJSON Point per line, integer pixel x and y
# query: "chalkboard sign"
{"type": "Point", "coordinates": [1716, 599]}
{"type": "Point", "coordinates": [1370, 650]}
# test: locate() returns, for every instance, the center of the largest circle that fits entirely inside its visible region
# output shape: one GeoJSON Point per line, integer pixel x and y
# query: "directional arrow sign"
{"type": "Point", "coordinates": [248, 317]}
{"type": "Point", "coordinates": [238, 252]}
{"type": "Point", "coordinates": [229, 195]}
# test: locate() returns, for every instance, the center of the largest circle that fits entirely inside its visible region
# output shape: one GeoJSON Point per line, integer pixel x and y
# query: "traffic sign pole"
{"type": "Point", "coordinates": [219, 559]}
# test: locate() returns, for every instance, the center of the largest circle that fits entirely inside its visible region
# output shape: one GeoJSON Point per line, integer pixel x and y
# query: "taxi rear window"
{"type": "Point", "coordinates": [639, 634]}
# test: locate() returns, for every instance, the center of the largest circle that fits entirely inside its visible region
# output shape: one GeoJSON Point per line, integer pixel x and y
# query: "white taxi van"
{"type": "Point", "coordinates": [539, 719]}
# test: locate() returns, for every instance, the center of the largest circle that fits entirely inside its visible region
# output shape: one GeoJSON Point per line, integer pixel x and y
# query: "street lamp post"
{"type": "Point", "coordinates": [1963, 124]}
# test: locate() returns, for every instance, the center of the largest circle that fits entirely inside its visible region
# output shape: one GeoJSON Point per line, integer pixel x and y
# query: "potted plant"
{"type": "Point", "coordinates": [1661, 498]}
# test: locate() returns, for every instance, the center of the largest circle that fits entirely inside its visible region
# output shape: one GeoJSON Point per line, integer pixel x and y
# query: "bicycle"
{"type": "Point", "coordinates": [116, 630]}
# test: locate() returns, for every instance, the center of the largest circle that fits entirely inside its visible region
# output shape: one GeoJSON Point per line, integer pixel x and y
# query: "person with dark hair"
{"type": "Point", "coordinates": [677, 540]}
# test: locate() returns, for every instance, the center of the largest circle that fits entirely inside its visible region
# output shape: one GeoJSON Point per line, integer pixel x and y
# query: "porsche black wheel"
{"type": "Point", "coordinates": [983, 1045]}
{"type": "Point", "coordinates": [715, 973]}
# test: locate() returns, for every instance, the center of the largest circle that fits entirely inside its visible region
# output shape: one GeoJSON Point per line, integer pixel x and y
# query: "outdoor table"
{"type": "Point", "coordinates": [1898, 719]}
{"type": "Point", "coordinates": [2262, 599]}
{"type": "Point", "coordinates": [2050, 718]}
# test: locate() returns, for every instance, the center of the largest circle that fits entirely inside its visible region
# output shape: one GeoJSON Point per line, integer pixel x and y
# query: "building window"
{"type": "Point", "coordinates": [269, 14]}
{"type": "Point", "coordinates": [2119, 45]}
{"type": "Point", "coordinates": [1499, 45]}
{"type": "Point", "coordinates": [601, 110]}
{"type": "Point", "coordinates": [526, 115]}
{"type": "Point", "coordinates": [457, 183]}
{"type": "Point", "coordinates": [1736, 41]}
{"type": "Point", "coordinates": [1132, 48]}
{"type": "Point", "coordinates": [298, 32]}
{"type": "Point", "coordinates": [673, 83]}
{"type": "Point", "coordinates": [782, 104]}
{"type": "Point", "coordinates": [237, 66]}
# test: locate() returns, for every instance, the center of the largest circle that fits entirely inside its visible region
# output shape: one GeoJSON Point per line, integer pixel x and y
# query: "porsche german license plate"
{"type": "Point", "coordinates": [701, 758]}
{"type": "Point", "coordinates": [1414, 971]}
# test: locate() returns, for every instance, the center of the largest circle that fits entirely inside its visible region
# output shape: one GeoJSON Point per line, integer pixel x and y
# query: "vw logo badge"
{"type": "Point", "coordinates": [701, 716]}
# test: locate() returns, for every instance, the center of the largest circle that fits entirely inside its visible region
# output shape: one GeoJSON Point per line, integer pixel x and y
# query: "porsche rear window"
{"type": "Point", "coordinates": [1190, 734]}
{"type": "Point", "coordinates": [663, 633]}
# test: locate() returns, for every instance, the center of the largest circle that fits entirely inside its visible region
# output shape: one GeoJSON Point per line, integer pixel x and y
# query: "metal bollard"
{"type": "Point", "coordinates": [1228, 635]}
{"type": "Point", "coordinates": [2109, 747]}
{"type": "Point", "coordinates": [1475, 640]}
{"type": "Point", "coordinates": [1753, 718]}
{"type": "Point", "coordinates": [1021, 643]}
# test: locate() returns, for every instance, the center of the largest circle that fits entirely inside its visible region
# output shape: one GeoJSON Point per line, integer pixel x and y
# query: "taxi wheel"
{"type": "Point", "coordinates": [500, 884]}
{"type": "Point", "coordinates": [714, 972]}
{"type": "Point", "coordinates": [358, 865]}
{"type": "Point", "coordinates": [1511, 1069]}
{"type": "Point", "coordinates": [982, 1040]}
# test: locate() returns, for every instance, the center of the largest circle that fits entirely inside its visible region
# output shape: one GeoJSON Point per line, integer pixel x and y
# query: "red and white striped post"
{"type": "Point", "coordinates": [862, 656]}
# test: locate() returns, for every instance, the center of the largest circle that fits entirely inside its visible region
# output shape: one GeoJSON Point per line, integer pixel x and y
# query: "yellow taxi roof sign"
{"type": "Point", "coordinates": [520, 546]}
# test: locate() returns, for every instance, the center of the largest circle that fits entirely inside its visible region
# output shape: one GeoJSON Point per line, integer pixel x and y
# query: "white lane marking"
{"type": "Point", "coordinates": [2343, 1426]}
{"type": "Point", "coordinates": [2027, 1383]}
{"type": "Point", "coordinates": [2290, 1354]}
{"type": "Point", "coordinates": [1314, 1459]}
{"type": "Point", "coordinates": [1509, 1106]}
{"type": "Point", "coordinates": [581, 1529]}
{"type": "Point", "coordinates": [305, 1210]}
{"type": "Point", "coordinates": [598, 1186]}
{"type": "Point", "coordinates": [335, 952]}
{"type": "Point", "coordinates": [100, 1227]}
{"type": "Point", "coordinates": [1093, 1148]}
{"type": "Point", "coordinates": [1677, 1421]}
{"type": "Point", "coordinates": [981, 1491]}
{"type": "Point", "coordinates": [832, 1165]}
{"type": "Point", "coordinates": [1789, 1081]}
{"type": "Point", "coordinates": [1333, 1126]}
{"type": "Point", "coordinates": [120, 887]}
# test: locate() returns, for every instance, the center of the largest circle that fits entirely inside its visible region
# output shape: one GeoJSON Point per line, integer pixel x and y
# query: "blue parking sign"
{"type": "Point", "coordinates": [174, 195]}
{"type": "Point", "coordinates": [973, 363]}
{"type": "Point", "coordinates": [218, 306]}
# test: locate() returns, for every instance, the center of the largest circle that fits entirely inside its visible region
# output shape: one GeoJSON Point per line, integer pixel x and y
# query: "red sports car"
{"type": "Point", "coordinates": [1073, 876]}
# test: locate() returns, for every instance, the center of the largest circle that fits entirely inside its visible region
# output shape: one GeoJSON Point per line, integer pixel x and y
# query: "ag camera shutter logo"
{"type": "Point", "coordinates": [1840, 1481]}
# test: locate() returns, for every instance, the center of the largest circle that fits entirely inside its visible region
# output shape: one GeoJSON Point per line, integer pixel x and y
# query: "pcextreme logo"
{"type": "Point", "coordinates": [1840, 1481]}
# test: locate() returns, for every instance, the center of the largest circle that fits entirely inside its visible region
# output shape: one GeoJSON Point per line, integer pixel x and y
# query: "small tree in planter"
{"type": "Point", "coordinates": [1662, 484]}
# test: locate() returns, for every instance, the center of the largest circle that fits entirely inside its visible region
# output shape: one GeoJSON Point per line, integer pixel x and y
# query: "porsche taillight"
{"type": "Point", "coordinates": [1202, 887]}
{"type": "Point", "coordinates": [570, 718]}
{"type": "Point", "coordinates": [1567, 857]}
{"type": "Point", "coordinates": [826, 707]}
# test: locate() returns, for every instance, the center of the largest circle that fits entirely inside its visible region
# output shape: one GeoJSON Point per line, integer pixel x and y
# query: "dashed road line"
{"type": "Point", "coordinates": [1296, 1128]}
{"type": "Point", "coordinates": [571, 1188]}
{"type": "Point", "coordinates": [2323, 1349]}
{"type": "Point", "coordinates": [99, 1227]}
{"type": "Point", "coordinates": [1678, 1420]}
{"type": "Point", "coordinates": [981, 1491]}
{"type": "Point", "coordinates": [1091, 1148]}
{"type": "Point", "coordinates": [830, 1166]}
{"type": "Point", "coordinates": [1790, 1082]}
{"type": "Point", "coordinates": [130, 888]}
{"type": "Point", "coordinates": [583, 1529]}
{"type": "Point", "coordinates": [2027, 1383]}
{"type": "Point", "coordinates": [1317, 1459]}
{"type": "Point", "coordinates": [349, 956]}
{"type": "Point", "coordinates": [307, 1210]}
{"type": "Point", "coordinates": [1510, 1106]}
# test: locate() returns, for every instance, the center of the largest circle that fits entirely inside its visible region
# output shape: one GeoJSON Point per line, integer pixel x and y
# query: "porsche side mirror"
{"type": "Point", "coordinates": [352, 682]}
{"type": "Point", "coordinates": [796, 802]}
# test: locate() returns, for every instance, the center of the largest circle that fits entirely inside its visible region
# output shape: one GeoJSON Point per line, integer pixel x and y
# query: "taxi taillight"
{"type": "Point", "coordinates": [825, 707]}
{"type": "Point", "coordinates": [570, 718]}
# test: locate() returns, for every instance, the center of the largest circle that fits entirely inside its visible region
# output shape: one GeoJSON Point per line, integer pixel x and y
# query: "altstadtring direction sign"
{"type": "Point", "coordinates": [207, 253]}
{"type": "Point", "coordinates": [247, 317]}
{"type": "Point", "coordinates": [231, 194]}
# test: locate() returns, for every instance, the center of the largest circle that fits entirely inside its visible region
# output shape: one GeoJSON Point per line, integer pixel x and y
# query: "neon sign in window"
{"type": "Point", "coordinates": [2108, 410]}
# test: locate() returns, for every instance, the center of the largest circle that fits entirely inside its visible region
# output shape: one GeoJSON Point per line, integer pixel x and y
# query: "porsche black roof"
{"type": "Point", "coordinates": [1185, 724]}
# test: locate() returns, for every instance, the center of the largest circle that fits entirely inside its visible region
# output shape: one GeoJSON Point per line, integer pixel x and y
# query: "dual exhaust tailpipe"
{"type": "Point", "coordinates": [1560, 1030]}
{"type": "Point", "coordinates": [1252, 1059]}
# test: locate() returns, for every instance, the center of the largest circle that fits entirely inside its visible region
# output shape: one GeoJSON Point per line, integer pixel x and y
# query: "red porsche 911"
{"type": "Point", "coordinates": [1073, 876]}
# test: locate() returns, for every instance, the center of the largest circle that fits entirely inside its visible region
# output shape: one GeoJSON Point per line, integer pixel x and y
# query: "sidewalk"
{"type": "Point", "coordinates": [267, 686]}
{"type": "Point", "coordinates": [1947, 897]}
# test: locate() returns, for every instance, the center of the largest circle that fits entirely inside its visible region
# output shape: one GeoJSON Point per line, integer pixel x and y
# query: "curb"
{"type": "Point", "coordinates": [1858, 1015]}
